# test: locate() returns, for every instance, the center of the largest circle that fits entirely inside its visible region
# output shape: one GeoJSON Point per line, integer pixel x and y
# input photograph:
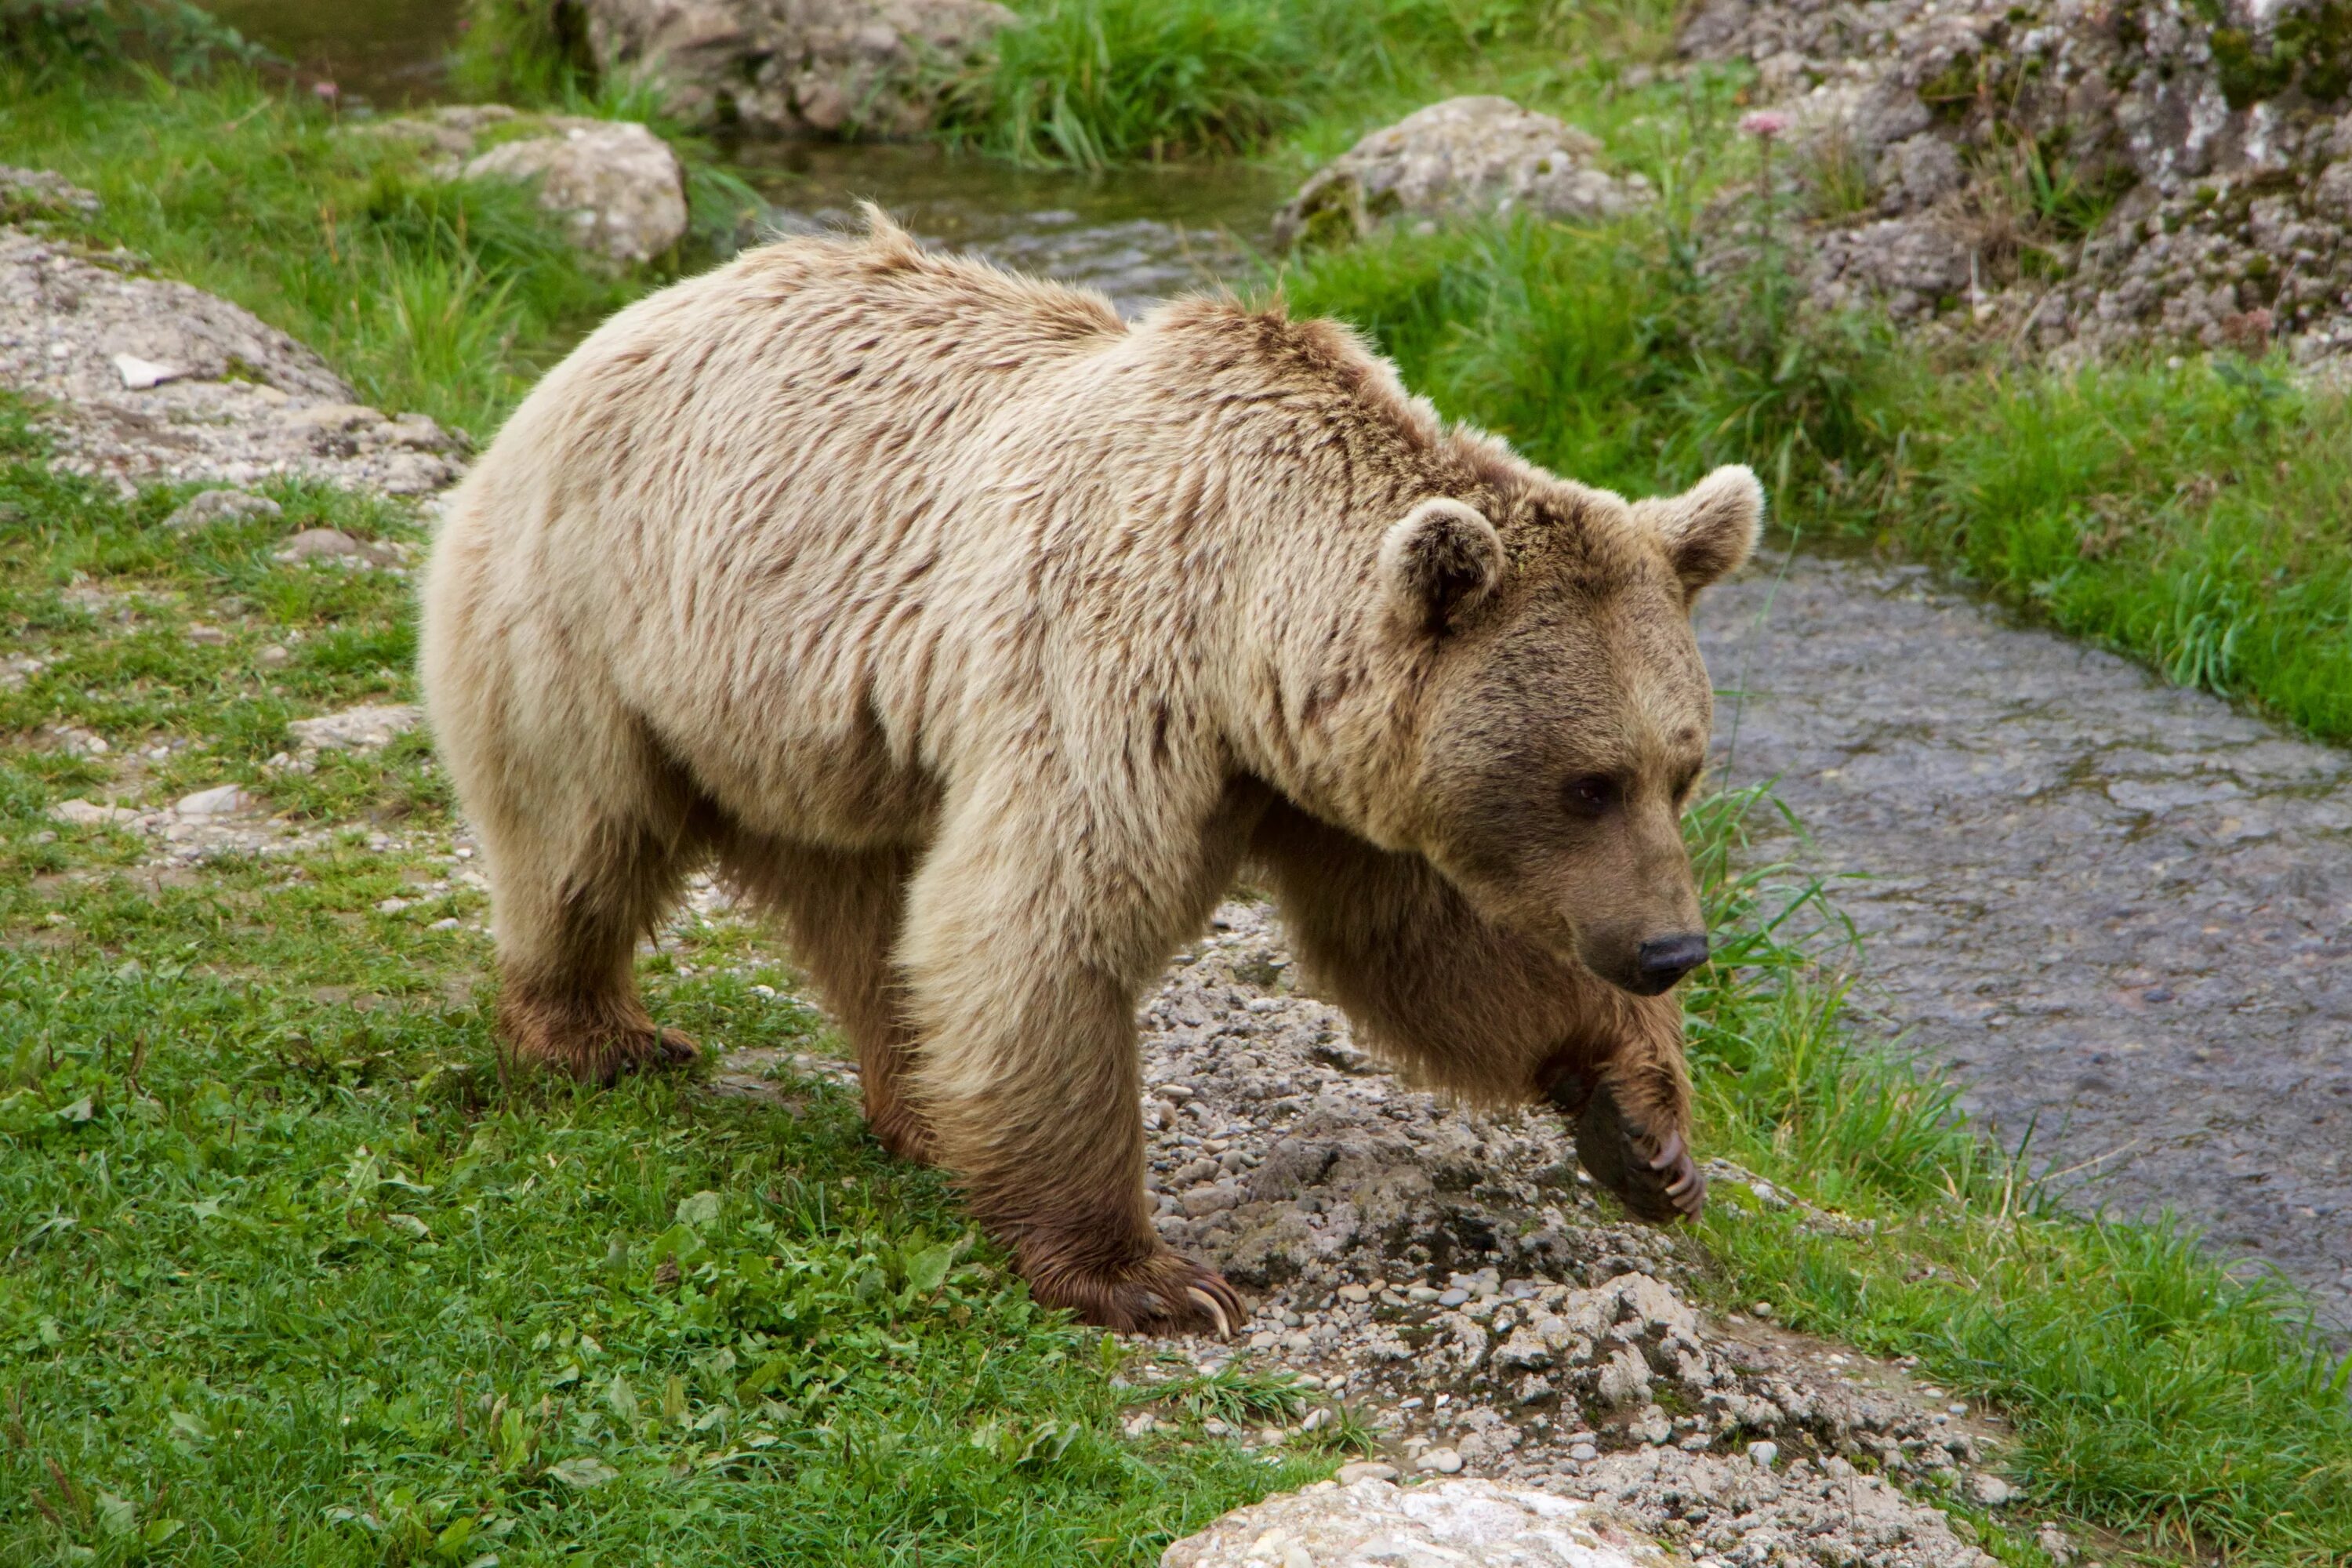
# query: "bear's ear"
{"type": "Point", "coordinates": [1439, 563]}
{"type": "Point", "coordinates": [1709, 529]}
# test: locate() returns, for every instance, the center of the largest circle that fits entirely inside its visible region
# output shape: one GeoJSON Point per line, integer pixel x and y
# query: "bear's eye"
{"type": "Point", "coordinates": [1593, 795]}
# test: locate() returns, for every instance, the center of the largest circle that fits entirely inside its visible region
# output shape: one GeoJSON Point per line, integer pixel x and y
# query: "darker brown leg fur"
{"type": "Point", "coordinates": [1158, 1293]}
{"type": "Point", "coordinates": [843, 910]}
{"type": "Point", "coordinates": [595, 1039]}
{"type": "Point", "coordinates": [569, 913]}
{"type": "Point", "coordinates": [1473, 1007]}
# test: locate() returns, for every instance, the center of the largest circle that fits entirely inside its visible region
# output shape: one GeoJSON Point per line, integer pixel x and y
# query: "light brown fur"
{"type": "Point", "coordinates": [986, 638]}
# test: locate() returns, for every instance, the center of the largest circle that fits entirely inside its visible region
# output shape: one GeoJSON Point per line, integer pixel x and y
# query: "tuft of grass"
{"type": "Point", "coordinates": [1095, 83]}
{"type": "Point", "coordinates": [43, 38]}
{"type": "Point", "coordinates": [525, 51]}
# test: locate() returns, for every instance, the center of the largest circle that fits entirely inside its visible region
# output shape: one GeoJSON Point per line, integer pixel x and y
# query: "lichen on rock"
{"type": "Point", "coordinates": [217, 396]}
{"type": "Point", "coordinates": [2068, 176]}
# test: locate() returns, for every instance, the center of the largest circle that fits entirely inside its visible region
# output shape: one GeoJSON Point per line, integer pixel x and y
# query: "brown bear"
{"type": "Point", "coordinates": [987, 638]}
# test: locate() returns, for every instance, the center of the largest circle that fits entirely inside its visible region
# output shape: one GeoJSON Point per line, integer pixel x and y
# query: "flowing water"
{"type": "Point", "coordinates": [2120, 914]}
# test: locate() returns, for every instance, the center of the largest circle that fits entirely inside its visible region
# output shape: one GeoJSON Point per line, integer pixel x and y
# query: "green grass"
{"type": "Point", "coordinates": [293, 1274]}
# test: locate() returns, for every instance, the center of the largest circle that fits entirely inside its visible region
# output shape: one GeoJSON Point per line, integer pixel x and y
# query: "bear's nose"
{"type": "Point", "coordinates": [1662, 960]}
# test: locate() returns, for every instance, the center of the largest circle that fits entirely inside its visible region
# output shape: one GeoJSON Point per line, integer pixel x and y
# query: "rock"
{"type": "Point", "coordinates": [828, 67]}
{"type": "Point", "coordinates": [2207, 177]}
{"type": "Point", "coordinates": [139, 374]}
{"type": "Point", "coordinates": [1440, 1461]}
{"type": "Point", "coordinates": [331, 545]}
{"type": "Point", "coordinates": [1463, 158]}
{"type": "Point", "coordinates": [32, 194]}
{"type": "Point", "coordinates": [2056, 1544]}
{"type": "Point", "coordinates": [142, 379]}
{"type": "Point", "coordinates": [1366, 1470]}
{"type": "Point", "coordinates": [89, 814]}
{"type": "Point", "coordinates": [1763, 1455]}
{"type": "Point", "coordinates": [362, 729]}
{"type": "Point", "coordinates": [1361, 1206]}
{"type": "Point", "coordinates": [1991, 1490]}
{"type": "Point", "coordinates": [618, 186]}
{"type": "Point", "coordinates": [221, 800]}
{"type": "Point", "coordinates": [1454, 1523]}
{"type": "Point", "coordinates": [208, 507]}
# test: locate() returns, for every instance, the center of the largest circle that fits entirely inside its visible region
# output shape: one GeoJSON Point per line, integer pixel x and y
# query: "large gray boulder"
{"type": "Point", "coordinates": [1463, 158]}
{"type": "Point", "coordinates": [825, 68]}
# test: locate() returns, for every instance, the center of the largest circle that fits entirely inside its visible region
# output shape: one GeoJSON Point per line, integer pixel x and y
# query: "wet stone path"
{"type": "Point", "coordinates": [2118, 913]}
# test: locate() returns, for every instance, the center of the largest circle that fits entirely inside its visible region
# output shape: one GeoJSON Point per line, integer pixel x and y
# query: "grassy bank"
{"type": "Point", "coordinates": [445, 297]}
{"type": "Point", "coordinates": [1102, 81]}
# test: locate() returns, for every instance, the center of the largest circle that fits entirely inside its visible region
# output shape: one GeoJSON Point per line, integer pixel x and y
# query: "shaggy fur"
{"type": "Point", "coordinates": [986, 638]}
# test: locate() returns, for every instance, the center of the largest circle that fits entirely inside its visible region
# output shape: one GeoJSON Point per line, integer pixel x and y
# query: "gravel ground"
{"type": "Point", "coordinates": [1451, 1276]}
{"type": "Point", "coordinates": [2119, 913]}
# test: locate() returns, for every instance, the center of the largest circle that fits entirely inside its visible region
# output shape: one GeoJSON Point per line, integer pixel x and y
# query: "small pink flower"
{"type": "Point", "coordinates": [1765, 122]}
{"type": "Point", "coordinates": [326, 91]}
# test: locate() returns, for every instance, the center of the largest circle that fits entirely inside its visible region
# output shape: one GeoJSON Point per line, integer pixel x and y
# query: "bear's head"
{"type": "Point", "coordinates": [1564, 712]}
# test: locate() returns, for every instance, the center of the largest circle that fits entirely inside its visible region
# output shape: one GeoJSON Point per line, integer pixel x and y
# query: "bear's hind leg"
{"type": "Point", "coordinates": [569, 901]}
{"type": "Point", "coordinates": [843, 910]}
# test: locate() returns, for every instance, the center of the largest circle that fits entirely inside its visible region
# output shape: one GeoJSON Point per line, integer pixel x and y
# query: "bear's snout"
{"type": "Point", "coordinates": [1662, 960]}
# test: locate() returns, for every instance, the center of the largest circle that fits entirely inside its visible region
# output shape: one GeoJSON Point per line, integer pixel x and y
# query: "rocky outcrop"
{"type": "Point", "coordinates": [1467, 157]}
{"type": "Point", "coordinates": [796, 68]}
{"type": "Point", "coordinates": [142, 379]}
{"type": "Point", "coordinates": [2065, 173]}
{"type": "Point", "coordinates": [1446, 1524]}
{"type": "Point", "coordinates": [616, 186]}
{"type": "Point", "coordinates": [1451, 1276]}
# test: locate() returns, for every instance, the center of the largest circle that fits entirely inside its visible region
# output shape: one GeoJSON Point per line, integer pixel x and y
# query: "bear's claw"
{"type": "Point", "coordinates": [1163, 1295]}
{"type": "Point", "coordinates": [1654, 1177]}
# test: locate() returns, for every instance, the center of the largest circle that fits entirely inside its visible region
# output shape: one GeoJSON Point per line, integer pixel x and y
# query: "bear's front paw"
{"type": "Point", "coordinates": [593, 1048]}
{"type": "Point", "coordinates": [1162, 1294]}
{"type": "Point", "coordinates": [1653, 1174]}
